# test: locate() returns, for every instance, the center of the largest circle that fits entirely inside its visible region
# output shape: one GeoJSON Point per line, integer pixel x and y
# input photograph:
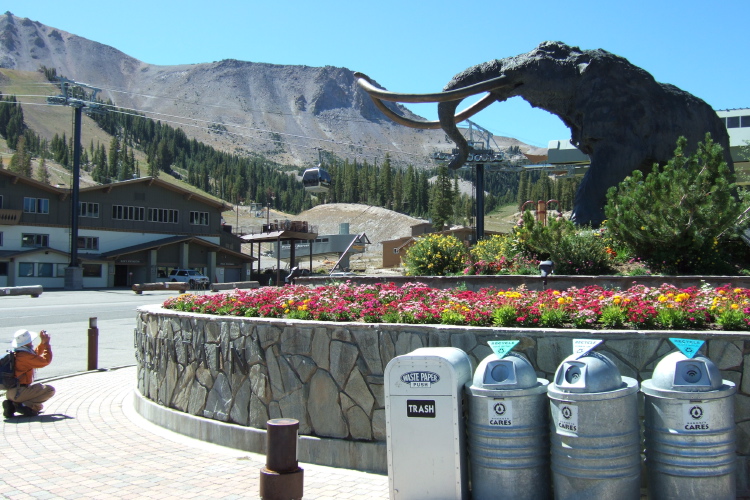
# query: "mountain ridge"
{"type": "Point", "coordinates": [286, 113]}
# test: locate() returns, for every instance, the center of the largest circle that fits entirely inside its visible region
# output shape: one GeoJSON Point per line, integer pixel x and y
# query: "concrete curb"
{"type": "Point", "coordinates": [358, 455]}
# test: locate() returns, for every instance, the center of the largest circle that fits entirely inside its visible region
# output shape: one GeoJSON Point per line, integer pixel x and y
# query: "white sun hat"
{"type": "Point", "coordinates": [22, 337]}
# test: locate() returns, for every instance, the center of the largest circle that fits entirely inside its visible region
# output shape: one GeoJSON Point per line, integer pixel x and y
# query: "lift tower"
{"type": "Point", "coordinates": [69, 97]}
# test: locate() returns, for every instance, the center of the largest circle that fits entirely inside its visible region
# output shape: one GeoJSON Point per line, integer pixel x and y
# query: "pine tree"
{"type": "Point", "coordinates": [20, 162]}
{"type": "Point", "coordinates": [441, 199]}
{"type": "Point", "coordinates": [675, 217]}
{"type": "Point", "coordinates": [42, 172]}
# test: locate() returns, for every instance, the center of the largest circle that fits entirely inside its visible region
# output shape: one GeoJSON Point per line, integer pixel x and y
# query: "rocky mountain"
{"type": "Point", "coordinates": [282, 112]}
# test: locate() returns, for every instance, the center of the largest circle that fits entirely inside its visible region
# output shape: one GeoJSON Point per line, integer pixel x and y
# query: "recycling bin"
{"type": "Point", "coordinates": [595, 431]}
{"type": "Point", "coordinates": [689, 430]}
{"type": "Point", "coordinates": [424, 420]}
{"type": "Point", "coordinates": [508, 430]}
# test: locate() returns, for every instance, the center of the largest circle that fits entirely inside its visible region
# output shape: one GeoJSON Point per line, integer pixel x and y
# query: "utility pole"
{"type": "Point", "coordinates": [74, 273]}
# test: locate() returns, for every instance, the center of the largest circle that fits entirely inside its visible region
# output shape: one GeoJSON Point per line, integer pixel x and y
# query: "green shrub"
{"type": "Point", "coordinates": [574, 250]}
{"type": "Point", "coordinates": [584, 252]}
{"type": "Point", "coordinates": [613, 317]}
{"type": "Point", "coordinates": [492, 249]}
{"type": "Point", "coordinates": [436, 255]}
{"type": "Point", "coordinates": [675, 217]}
{"type": "Point", "coordinates": [553, 317]}
{"type": "Point", "coordinates": [504, 316]}
{"type": "Point", "coordinates": [732, 319]}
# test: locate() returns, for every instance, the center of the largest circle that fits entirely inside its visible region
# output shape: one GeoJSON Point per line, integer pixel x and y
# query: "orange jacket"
{"type": "Point", "coordinates": [27, 362]}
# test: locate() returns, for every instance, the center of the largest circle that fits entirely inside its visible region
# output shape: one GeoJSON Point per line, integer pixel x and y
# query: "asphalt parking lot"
{"type": "Point", "coordinates": [65, 315]}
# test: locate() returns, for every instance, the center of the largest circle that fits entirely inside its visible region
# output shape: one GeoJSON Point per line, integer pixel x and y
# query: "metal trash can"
{"type": "Point", "coordinates": [424, 421]}
{"type": "Point", "coordinates": [508, 430]}
{"type": "Point", "coordinates": [689, 430]}
{"type": "Point", "coordinates": [595, 432]}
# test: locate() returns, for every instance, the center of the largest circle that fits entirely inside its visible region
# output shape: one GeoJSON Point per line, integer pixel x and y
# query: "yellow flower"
{"type": "Point", "coordinates": [738, 290]}
{"type": "Point", "coordinates": [662, 298]}
{"type": "Point", "coordinates": [735, 306]}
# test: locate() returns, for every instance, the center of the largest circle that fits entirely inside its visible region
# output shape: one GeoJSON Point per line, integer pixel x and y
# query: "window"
{"type": "Point", "coordinates": [199, 218]}
{"type": "Point", "coordinates": [122, 212]}
{"type": "Point", "coordinates": [36, 205]}
{"type": "Point", "coordinates": [744, 122]}
{"type": "Point", "coordinates": [3, 269]}
{"type": "Point", "coordinates": [733, 122]}
{"type": "Point", "coordinates": [34, 240]}
{"type": "Point", "coordinates": [25, 269]}
{"type": "Point", "coordinates": [44, 269]}
{"type": "Point", "coordinates": [38, 269]}
{"type": "Point", "coordinates": [1, 201]}
{"type": "Point", "coordinates": [88, 209]}
{"type": "Point", "coordinates": [60, 271]}
{"type": "Point", "coordinates": [1, 239]}
{"type": "Point", "coordinates": [88, 242]}
{"type": "Point", "coordinates": [92, 270]}
{"type": "Point", "coordinates": [167, 215]}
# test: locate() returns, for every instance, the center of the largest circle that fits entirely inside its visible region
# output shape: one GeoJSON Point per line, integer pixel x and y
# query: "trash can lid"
{"type": "Point", "coordinates": [593, 372]}
{"type": "Point", "coordinates": [677, 372]}
{"type": "Point", "coordinates": [513, 371]}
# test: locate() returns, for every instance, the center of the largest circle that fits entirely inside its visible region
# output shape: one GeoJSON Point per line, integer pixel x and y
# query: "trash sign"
{"type": "Point", "coordinates": [502, 347]}
{"type": "Point", "coordinates": [500, 412]}
{"type": "Point", "coordinates": [688, 347]}
{"type": "Point", "coordinates": [582, 347]}
{"type": "Point", "coordinates": [420, 408]}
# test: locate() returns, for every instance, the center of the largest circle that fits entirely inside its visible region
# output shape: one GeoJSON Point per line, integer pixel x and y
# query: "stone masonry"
{"type": "Point", "coordinates": [329, 376]}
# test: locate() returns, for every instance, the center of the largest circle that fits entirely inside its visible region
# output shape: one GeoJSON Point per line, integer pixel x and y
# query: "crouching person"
{"type": "Point", "coordinates": [28, 397]}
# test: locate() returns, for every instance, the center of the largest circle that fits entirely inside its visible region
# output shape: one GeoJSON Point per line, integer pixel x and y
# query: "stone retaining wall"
{"type": "Point", "coordinates": [329, 375]}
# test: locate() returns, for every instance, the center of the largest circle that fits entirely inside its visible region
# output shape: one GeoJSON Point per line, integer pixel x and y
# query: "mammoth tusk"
{"type": "Point", "coordinates": [428, 125]}
{"type": "Point", "coordinates": [449, 95]}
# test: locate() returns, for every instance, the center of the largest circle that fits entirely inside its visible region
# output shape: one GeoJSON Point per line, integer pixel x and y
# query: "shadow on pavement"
{"type": "Point", "coordinates": [40, 418]}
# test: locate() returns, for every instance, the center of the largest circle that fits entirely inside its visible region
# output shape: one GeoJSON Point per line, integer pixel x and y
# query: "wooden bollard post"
{"type": "Point", "coordinates": [93, 357]}
{"type": "Point", "coordinates": [281, 478]}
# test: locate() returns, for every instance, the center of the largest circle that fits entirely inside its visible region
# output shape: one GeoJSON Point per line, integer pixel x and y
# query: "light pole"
{"type": "Point", "coordinates": [269, 197]}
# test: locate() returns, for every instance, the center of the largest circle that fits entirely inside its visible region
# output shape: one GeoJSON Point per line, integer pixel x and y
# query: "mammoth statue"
{"type": "Point", "coordinates": [617, 113]}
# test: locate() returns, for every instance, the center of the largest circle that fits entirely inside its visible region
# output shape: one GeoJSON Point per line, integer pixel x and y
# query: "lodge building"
{"type": "Point", "coordinates": [129, 232]}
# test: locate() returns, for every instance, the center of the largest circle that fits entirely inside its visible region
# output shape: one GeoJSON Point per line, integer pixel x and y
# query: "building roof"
{"type": "Point", "coordinates": [278, 235]}
{"type": "Point", "coordinates": [15, 178]}
{"type": "Point", "coordinates": [150, 181]}
{"type": "Point", "coordinates": [150, 245]}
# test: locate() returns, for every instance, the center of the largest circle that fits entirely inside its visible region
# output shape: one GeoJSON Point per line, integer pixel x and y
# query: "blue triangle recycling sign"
{"type": "Point", "coordinates": [688, 347]}
{"type": "Point", "coordinates": [501, 348]}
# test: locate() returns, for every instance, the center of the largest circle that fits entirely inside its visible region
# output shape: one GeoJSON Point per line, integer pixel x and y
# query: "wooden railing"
{"type": "Point", "coordinates": [9, 217]}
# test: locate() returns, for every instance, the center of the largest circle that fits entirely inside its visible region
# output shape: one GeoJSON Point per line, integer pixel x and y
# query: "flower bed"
{"type": "Point", "coordinates": [666, 307]}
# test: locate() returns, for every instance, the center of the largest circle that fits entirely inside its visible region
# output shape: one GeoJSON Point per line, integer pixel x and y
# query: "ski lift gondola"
{"type": "Point", "coordinates": [317, 179]}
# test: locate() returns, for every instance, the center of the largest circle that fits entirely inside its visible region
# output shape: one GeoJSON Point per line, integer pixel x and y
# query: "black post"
{"type": "Point", "coordinates": [93, 345]}
{"type": "Point", "coordinates": [480, 201]}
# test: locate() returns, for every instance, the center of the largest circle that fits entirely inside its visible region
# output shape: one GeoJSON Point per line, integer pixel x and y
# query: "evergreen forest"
{"type": "Point", "coordinates": [426, 191]}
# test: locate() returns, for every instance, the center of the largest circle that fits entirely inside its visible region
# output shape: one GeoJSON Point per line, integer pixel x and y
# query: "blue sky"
{"type": "Point", "coordinates": [417, 46]}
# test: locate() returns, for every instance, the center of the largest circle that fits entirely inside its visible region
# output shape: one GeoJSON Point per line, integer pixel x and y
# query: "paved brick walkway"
{"type": "Point", "coordinates": [90, 443]}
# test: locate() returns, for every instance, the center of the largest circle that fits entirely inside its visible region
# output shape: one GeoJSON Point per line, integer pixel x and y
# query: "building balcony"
{"type": "Point", "coordinates": [10, 217]}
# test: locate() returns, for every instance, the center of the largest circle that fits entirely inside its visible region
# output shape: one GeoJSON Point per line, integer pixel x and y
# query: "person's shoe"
{"type": "Point", "coordinates": [9, 408]}
{"type": "Point", "coordinates": [26, 411]}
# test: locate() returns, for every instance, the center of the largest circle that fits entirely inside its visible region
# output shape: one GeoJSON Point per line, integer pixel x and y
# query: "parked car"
{"type": "Point", "coordinates": [190, 276]}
